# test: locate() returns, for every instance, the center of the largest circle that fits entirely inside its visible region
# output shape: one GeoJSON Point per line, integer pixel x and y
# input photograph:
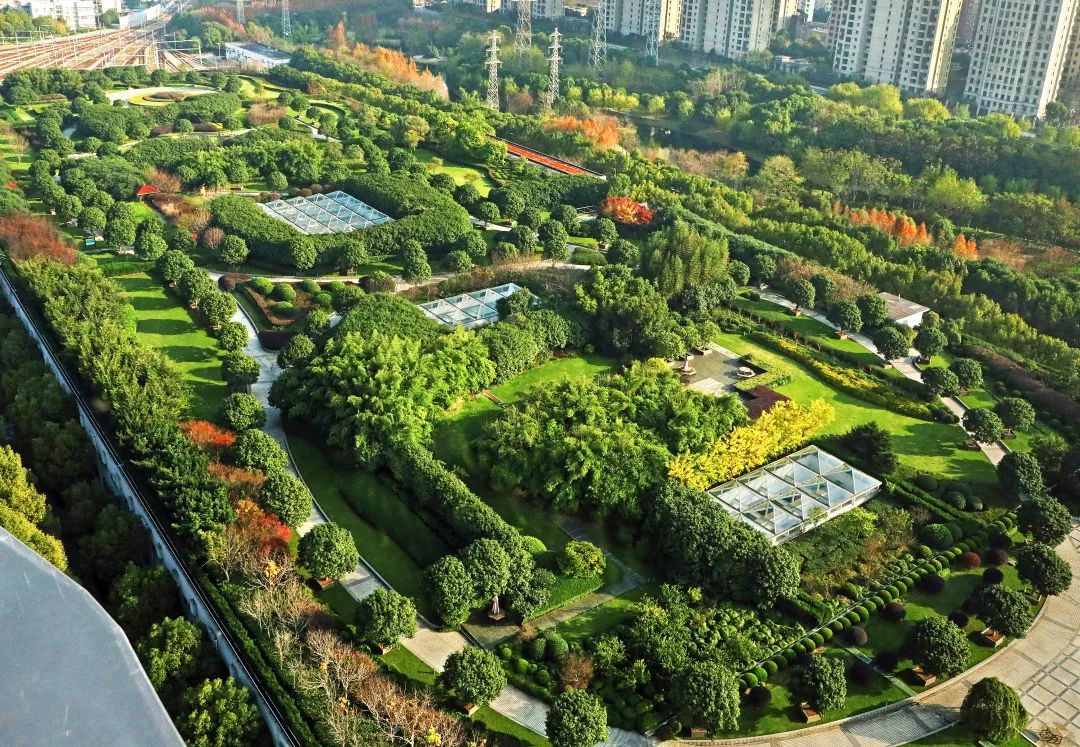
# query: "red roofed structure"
{"type": "Point", "coordinates": [146, 189]}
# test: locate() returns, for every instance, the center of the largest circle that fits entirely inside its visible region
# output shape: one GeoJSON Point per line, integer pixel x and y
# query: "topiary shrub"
{"type": "Point", "coordinates": [836, 626]}
{"type": "Point", "coordinates": [310, 285]}
{"type": "Point", "coordinates": [894, 612]}
{"type": "Point", "coordinates": [770, 668]}
{"type": "Point", "coordinates": [871, 606]}
{"type": "Point", "coordinates": [505, 653]}
{"type": "Point", "coordinates": [993, 576]}
{"type": "Point", "coordinates": [557, 647]}
{"type": "Point", "coordinates": [959, 618]}
{"type": "Point", "coordinates": [886, 595]}
{"type": "Point", "coordinates": [974, 503]}
{"type": "Point", "coordinates": [284, 292]}
{"type": "Point", "coordinates": [282, 308]}
{"type": "Point", "coordinates": [887, 661]}
{"type": "Point", "coordinates": [878, 600]}
{"type": "Point", "coordinates": [862, 673]}
{"type": "Point", "coordinates": [927, 482]}
{"type": "Point", "coordinates": [759, 696]}
{"type": "Point", "coordinates": [262, 286]}
{"type": "Point", "coordinates": [826, 633]}
{"type": "Point", "coordinates": [521, 666]}
{"type": "Point", "coordinates": [997, 556]}
{"type": "Point", "coordinates": [790, 655]}
{"type": "Point", "coordinates": [751, 679]}
{"type": "Point", "coordinates": [818, 639]}
{"type": "Point", "coordinates": [938, 536]}
{"type": "Point", "coordinates": [956, 500]}
{"type": "Point", "coordinates": [537, 647]}
{"type": "Point", "coordinates": [970, 560]}
{"type": "Point", "coordinates": [760, 673]}
{"type": "Point", "coordinates": [862, 614]}
{"type": "Point", "coordinates": [924, 552]}
{"type": "Point", "coordinates": [856, 636]}
{"type": "Point", "coordinates": [932, 584]}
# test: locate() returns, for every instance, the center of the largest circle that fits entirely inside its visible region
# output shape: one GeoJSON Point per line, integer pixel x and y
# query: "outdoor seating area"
{"type": "Point", "coordinates": [792, 495]}
{"type": "Point", "coordinates": [334, 212]}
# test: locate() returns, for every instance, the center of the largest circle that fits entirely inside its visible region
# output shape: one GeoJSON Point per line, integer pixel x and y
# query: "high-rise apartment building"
{"type": "Point", "coordinates": [907, 43]}
{"type": "Point", "coordinates": [628, 17]}
{"type": "Point", "coordinates": [79, 15]}
{"type": "Point", "coordinates": [551, 9]}
{"type": "Point", "coordinates": [734, 28]}
{"type": "Point", "coordinates": [1070, 78]}
{"type": "Point", "coordinates": [1019, 55]}
{"type": "Point", "coordinates": [488, 6]}
{"type": "Point", "coordinates": [965, 29]}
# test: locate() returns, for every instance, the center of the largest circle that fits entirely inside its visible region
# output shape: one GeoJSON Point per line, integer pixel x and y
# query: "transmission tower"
{"type": "Point", "coordinates": [240, 12]}
{"type": "Point", "coordinates": [493, 72]}
{"type": "Point", "coordinates": [286, 21]}
{"type": "Point", "coordinates": [523, 36]}
{"type": "Point", "coordinates": [598, 46]}
{"type": "Point", "coordinates": [652, 30]}
{"type": "Point", "coordinates": [553, 68]}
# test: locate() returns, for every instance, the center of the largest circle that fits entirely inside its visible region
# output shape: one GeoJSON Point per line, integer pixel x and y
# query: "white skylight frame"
{"type": "Point", "coordinates": [333, 212]}
{"type": "Point", "coordinates": [470, 310]}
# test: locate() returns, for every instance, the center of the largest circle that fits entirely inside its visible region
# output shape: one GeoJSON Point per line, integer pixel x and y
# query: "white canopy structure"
{"type": "Point", "coordinates": [334, 212]}
{"type": "Point", "coordinates": [794, 494]}
{"type": "Point", "coordinates": [470, 310]}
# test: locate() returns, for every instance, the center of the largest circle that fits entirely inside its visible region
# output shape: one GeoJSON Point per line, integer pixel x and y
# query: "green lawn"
{"type": "Point", "coordinates": [461, 174]}
{"type": "Point", "coordinates": [607, 616]}
{"type": "Point", "coordinates": [164, 324]}
{"type": "Point", "coordinates": [808, 327]}
{"type": "Point", "coordinates": [919, 444]}
{"type": "Point", "coordinates": [339, 491]}
{"type": "Point", "coordinates": [962, 735]}
{"type": "Point", "coordinates": [781, 713]}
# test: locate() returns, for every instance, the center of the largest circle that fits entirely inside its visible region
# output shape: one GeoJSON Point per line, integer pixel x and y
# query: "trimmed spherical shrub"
{"type": "Point", "coordinates": [871, 606]}
{"type": "Point", "coordinates": [760, 673]}
{"type": "Point", "coordinates": [894, 611]}
{"type": "Point", "coordinates": [309, 285]}
{"type": "Point", "coordinates": [959, 618]}
{"type": "Point", "coordinates": [970, 560]}
{"type": "Point", "coordinates": [537, 648]}
{"type": "Point", "coordinates": [938, 536]}
{"type": "Point", "coordinates": [902, 586]}
{"type": "Point", "coordinates": [932, 584]}
{"type": "Point", "coordinates": [887, 661]}
{"type": "Point", "coordinates": [282, 308]}
{"type": "Point", "coordinates": [886, 595]}
{"type": "Point", "coordinates": [862, 614]}
{"type": "Point", "coordinates": [779, 662]}
{"type": "Point", "coordinates": [826, 633]}
{"type": "Point", "coordinates": [927, 482]}
{"type": "Point", "coordinates": [856, 636]}
{"type": "Point", "coordinates": [893, 590]}
{"type": "Point", "coordinates": [790, 656]}
{"type": "Point", "coordinates": [937, 565]}
{"type": "Point", "coordinates": [284, 292]}
{"type": "Point", "coordinates": [851, 619]}
{"type": "Point", "coordinates": [923, 551]}
{"type": "Point", "coordinates": [521, 666]}
{"type": "Point", "coordinates": [759, 696]}
{"type": "Point", "coordinates": [974, 503]}
{"type": "Point", "coordinates": [505, 653]}
{"type": "Point", "coordinates": [770, 668]}
{"type": "Point", "coordinates": [262, 286]}
{"type": "Point", "coordinates": [997, 556]}
{"type": "Point", "coordinates": [818, 639]}
{"type": "Point", "coordinates": [862, 673]}
{"type": "Point", "coordinates": [836, 626]}
{"type": "Point", "coordinates": [751, 679]}
{"type": "Point", "coordinates": [993, 576]}
{"type": "Point", "coordinates": [955, 499]}
{"type": "Point", "coordinates": [878, 600]}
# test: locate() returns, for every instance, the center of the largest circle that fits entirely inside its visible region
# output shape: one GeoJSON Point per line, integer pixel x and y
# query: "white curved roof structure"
{"type": "Point", "coordinates": [70, 677]}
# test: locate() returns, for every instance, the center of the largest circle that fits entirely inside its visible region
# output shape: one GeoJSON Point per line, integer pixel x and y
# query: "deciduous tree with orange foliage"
{"type": "Point", "coordinates": [964, 247]}
{"type": "Point", "coordinates": [207, 436]}
{"type": "Point", "coordinates": [603, 132]}
{"type": "Point", "coordinates": [392, 64]}
{"type": "Point", "coordinates": [27, 236]}
{"type": "Point", "coordinates": [626, 211]}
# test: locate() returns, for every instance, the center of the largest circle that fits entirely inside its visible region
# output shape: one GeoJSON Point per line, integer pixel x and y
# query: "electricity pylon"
{"type": "Point", "coordinates": [240, 12]}
{"type": "Point", "coordinates": [523, 35]}
{"type": "Point", "coordinates": [493, 71]}
{"type": "Point", "coordinates": [598, 45]}
{"type": "Point", "coordinates": [652, 30]}
{"type": "Point", "coordinates": [553, 68]}
{"type": "Point", "coordinates": [286, 20]}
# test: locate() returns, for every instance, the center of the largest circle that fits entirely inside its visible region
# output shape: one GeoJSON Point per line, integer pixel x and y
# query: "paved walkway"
{"type": "Point", "coordinates": [1044, 667]}
{"type": "Point", "coordinates": [431, 646]}
{"type": "Point", "coordinates": [995, 452]}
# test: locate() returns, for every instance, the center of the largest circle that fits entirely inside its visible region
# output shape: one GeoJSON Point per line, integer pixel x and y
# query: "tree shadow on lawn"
{"type": "Point", "coordinates": [165, 327]}
{"type": "Point", "coordinates": [189, 353]}
{"type": "Point", "coordinates": [150, 303]}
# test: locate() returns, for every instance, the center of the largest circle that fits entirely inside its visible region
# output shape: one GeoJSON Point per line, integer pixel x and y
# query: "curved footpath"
{"type": "Point", "coordinates": [430, 645]}
{"type": "Point", "coordinates": [1044, 667]}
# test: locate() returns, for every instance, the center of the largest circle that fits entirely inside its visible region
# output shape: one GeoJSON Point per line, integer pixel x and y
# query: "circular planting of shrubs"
{"type": "Point", "coordinates": [856, 636]}
{"type": "Point", "coordinates": [993, 576]}
{"type": "Point", "coordinates": [970, 559]}
{"type": "Point", "coordinates": [759, 696]}
{"type": "Point", "coordinates": [932, 584]}
{"type": "Point", "coordinates": [887, 661]}
{"type": "Point", "coordinates": [862, 673]}
{"type": "Point", "coordinates": [1002, 540]}
{"type": "Point", "coordinates": [997, 556]}
{"type": "Point", "coordinates": [959, 618]}
{"type": "Point", "coordinates": [894, 611]}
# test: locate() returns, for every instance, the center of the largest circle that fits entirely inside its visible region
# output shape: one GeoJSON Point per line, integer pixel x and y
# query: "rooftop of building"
{"type": "Point", "coordinates": [67, 664]}
{"type": "Point", "coordinates": [261, 49]}
{"type": "Point", "coordinates": [901, 308]}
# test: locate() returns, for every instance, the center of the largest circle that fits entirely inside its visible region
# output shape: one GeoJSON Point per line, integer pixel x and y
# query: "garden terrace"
{"type": "Point", "coordinates": [470, 310]}
{"type": "Point", "coordinates": [792, 495]}
{"type": "Point", "coordinates": [335, 212]}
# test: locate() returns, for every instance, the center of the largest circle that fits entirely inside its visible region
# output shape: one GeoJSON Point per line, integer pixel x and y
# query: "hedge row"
{"type": "Point", "coordinates": [911, 494]}
{"type": "Point", "coordinates": [263, 663]}
{"type": "Point", "coordinates": [846, 380]}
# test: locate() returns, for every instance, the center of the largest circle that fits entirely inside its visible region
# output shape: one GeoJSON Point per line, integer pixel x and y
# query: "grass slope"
{"type": "Point", "coordinates": [164, 324]}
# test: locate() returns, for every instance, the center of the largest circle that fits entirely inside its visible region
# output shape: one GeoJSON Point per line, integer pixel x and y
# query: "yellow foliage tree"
{"type": "Point", "coordinates": [786, 426]}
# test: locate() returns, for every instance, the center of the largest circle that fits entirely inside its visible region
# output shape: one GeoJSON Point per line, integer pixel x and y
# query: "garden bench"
{"type": "Point", "coordinates": [809, 715]}
{"type": "Point", "coordinates": [922, 677]}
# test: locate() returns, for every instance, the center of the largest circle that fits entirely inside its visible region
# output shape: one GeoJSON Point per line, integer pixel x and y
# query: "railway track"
{"type": "Point", "coordinates": [98, 49]}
